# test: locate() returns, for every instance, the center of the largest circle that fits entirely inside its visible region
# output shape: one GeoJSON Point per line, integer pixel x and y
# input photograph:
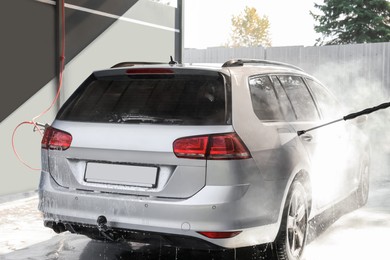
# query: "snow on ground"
{"type": "Point", "coordinates": [359, 235]}
{"type": "Point", "coordinates": [21, 225]}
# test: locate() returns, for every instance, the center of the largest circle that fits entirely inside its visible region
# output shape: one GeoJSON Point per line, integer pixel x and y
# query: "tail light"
{"type": "Point", "coordinates": [211, 147]}
{"type": "Point", "coordinates": [55, 139]}
{"type": "Point", "coordinates": [219, 235]}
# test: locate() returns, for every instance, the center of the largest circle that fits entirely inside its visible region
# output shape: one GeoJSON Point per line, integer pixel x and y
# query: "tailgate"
{"type": "Point", "coordinates": [129, 159]}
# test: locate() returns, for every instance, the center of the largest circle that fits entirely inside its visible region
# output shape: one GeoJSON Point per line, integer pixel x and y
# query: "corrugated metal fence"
{"type": "Point", "coordinates": [370, 62]}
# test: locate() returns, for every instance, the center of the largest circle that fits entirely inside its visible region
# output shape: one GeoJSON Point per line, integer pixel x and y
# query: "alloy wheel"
{"type": "Point", "coordinates": [296, 224]}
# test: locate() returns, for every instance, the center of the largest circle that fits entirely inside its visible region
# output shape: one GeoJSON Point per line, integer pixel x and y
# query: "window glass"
{"type": "Point", "coordinates": [327, 103]}
{"type": "Point", "coordinates": [174, 99]}
{"type": "Point", "coordinates": [264, 100]}
{"type": "Point", "coordinates": [285, 104]}
{"type": "Point", "coordinates": [300, 97]}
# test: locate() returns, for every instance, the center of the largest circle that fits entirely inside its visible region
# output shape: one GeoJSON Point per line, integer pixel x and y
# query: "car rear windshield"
{"type": "Point", "coordinates": [152, 99]}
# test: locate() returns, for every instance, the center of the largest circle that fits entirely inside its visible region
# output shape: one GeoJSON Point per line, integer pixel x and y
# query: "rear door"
{"type": "Point", "coordinates": [322, 145]}
{"type": "Point", "coordinates": [341, 135]}
{"type": "Point", "coordinates": [123, 126]}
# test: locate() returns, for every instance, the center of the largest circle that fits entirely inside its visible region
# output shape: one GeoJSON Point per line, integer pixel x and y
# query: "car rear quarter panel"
{"type": "Point", "coordinates": [275, 147]}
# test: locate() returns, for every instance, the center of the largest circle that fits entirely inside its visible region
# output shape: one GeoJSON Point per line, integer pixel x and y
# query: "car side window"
{"type": "Point", "coordinates": [300, 97]}
{"type": "Point", "coordinates": [284, 101]}
{"type": "Point", "coordinates": [264, 99]}
{"type": "Point", "coordinates": [327, 103]}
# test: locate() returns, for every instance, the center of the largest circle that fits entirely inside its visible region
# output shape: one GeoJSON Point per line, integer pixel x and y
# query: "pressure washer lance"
{"type": "Point", "coordinates": [348, 117]}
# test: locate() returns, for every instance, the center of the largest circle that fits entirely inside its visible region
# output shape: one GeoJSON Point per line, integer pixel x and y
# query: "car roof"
{"type": "Point", "coordinates": [231, 67]}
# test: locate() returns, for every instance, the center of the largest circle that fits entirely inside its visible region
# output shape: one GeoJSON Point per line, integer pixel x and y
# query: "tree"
{"type": "Point", "coordinates": [249, 29]}
{"type": "Point", "coordinates": [353, 21]}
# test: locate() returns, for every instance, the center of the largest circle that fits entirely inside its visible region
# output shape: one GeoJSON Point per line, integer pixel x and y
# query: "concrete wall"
{"type": "Point", "coordinates": [99, 34]}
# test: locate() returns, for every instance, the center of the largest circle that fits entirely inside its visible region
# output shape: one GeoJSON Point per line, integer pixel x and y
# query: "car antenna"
{"type": "Point", "coordinates": [172, 62]}
{"type": "Point", "coordinates": [348, 117]}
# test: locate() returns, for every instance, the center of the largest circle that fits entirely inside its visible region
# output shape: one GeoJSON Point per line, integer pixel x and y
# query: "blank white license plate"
{"type": "Point", "coordinates": [121, 174]}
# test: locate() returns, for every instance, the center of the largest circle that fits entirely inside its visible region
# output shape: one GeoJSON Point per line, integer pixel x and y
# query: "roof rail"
{"type": "Point", "coordinates": [241, 62]}
{"type": "Point", "coordinates": [134, 63]}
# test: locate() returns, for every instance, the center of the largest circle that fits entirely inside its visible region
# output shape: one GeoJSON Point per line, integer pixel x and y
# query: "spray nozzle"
{"type": "Point", "coordinates": [42, 127]}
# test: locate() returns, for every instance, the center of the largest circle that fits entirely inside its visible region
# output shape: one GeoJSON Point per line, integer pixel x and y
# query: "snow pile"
{"type": "Point", "coordinates": [21, 225]}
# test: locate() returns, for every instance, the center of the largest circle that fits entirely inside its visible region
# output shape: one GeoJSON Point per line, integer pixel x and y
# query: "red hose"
{"type": "Point", "coordinates": [60, 76]}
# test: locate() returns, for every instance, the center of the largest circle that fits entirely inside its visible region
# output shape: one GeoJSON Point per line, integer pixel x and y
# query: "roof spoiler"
{"type": "Point", "coordinates": [134, 63]}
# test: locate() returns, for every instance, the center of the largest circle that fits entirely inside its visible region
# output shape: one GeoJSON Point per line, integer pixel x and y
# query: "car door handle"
{"type": "Point", "coordinates": [307, 137]}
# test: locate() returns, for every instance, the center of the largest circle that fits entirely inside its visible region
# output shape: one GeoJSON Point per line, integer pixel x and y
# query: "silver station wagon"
{"type": "Point", "coordinates": [200, 156]}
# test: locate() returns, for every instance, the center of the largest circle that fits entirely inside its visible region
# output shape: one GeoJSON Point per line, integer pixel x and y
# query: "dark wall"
{"type": "Point", "coordinates": [27, 53]}
{"type": "Point", "coordinates": [28, 43]}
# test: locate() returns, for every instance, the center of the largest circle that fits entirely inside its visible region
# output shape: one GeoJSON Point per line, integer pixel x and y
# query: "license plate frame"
{"type": "Point", "coordinates": [121, 174]}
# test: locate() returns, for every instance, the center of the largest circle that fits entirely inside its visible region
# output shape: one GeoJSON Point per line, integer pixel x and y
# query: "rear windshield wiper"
{"type": "Point", "coordinates": [147, 119]}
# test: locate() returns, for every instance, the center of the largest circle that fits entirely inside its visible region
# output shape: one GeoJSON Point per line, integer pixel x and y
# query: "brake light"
{"type": "Point", "coordinates": [219, 235]}
{"type": "Point", "coordinates": [227, 146]}
{"type": "Point", "coordinates": [212, 147]}
{"type": "Point", "coordinates": [55, 139]}
{"type": "Point", "coordinates": [149, 71]}
{"type": "Point", "coordinates": [191, 147]}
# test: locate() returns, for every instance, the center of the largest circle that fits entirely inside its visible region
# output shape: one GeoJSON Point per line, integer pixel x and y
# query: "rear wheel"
{"type": "Point", "coordinates": [292, 236]}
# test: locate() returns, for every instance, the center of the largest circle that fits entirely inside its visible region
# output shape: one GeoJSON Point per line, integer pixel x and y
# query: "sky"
{"type": "Point", "coordinates": [208, 22]}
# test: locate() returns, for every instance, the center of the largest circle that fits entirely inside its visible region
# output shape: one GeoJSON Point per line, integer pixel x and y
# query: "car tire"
{"type": "Point", "coordinates": [291, 239]}
{"type": "Point", "coordinates": [364, 183]}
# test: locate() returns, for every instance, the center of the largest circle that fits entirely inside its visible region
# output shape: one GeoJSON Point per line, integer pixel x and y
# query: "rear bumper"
{"type": "Point", "coordinates": [214, 208]}
{"type": "Point", "coordinates": [119, 234]}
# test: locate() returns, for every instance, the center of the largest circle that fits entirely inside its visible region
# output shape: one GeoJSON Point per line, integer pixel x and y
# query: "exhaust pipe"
{"type": "Point", "coordinates": [57, 227]}
{"type": "Point", "coordinates": [101, 222]}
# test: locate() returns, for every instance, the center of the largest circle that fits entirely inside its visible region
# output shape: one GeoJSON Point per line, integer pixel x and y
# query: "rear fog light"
{"type": "Point", "coordinates": [220, 235]}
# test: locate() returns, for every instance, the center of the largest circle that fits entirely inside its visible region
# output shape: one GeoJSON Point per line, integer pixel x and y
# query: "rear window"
{"type": "Point", "coordinates": [152, 99]}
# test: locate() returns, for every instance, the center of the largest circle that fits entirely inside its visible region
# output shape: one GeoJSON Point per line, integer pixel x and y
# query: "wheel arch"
{"type": "Point", "coordinates": [303, 176]}
{"type": "Point", "coordinates": [300, 180]}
